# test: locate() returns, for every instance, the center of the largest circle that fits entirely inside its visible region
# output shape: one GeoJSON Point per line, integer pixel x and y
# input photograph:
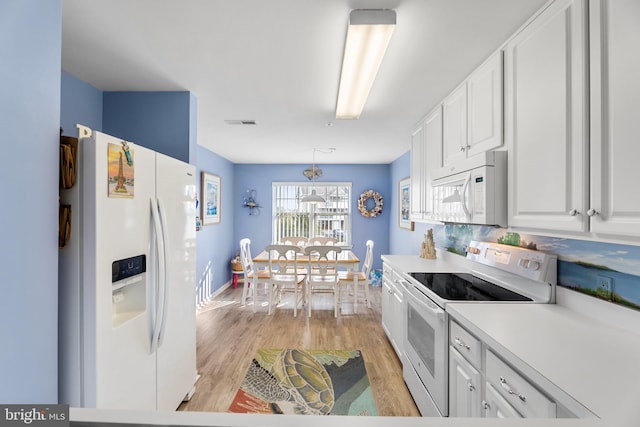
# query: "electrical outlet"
{"type": "Point", "coordinates": [605, 286]}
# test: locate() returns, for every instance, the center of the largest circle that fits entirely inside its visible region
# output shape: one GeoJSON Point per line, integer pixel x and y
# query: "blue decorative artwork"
{"type": "Point", "coordinates": [604, 270]}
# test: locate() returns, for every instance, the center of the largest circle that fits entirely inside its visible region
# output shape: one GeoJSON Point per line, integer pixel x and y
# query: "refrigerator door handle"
{"type": "Point", "coordinates": [165, 231]}
{"type": "Point", "coordinates": [156, 289]}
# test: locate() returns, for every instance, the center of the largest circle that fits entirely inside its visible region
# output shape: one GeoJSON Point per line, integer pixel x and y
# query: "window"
{"type": "Point", "coordinates": [291, 217]}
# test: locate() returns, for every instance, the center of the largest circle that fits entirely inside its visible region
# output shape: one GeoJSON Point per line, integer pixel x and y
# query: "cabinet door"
{"type": "Point", "coordinates": [454, 126]}
{"type": "Point", "coordinates": [417, 169]}
{"type": "Point", "coordinates": [464, 387]}
{"type": "Point", "coordinates": [484, 106]}
{"type": "Point", "coordinates": [396, 332]}
{"type": "Point", "coordinates": [545, 120]}
{"type": "Point", "coordinates": [495, 406]}
{"type": "Point", "coordinates": [432, 157]}
{"type": "Point", "coordinates": [387, 295]}
{"type": "Point", "coordinates": [615, 125]}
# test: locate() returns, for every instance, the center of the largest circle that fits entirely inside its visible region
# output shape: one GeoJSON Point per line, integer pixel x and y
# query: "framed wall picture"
{"type": "Point", "coordinates": [211, 198]}
{"type": "Point", "coordinates": [404, 204]}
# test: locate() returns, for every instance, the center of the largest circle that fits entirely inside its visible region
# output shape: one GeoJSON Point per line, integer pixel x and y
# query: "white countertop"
{"type": "Point", "coordinates": [595, 364]}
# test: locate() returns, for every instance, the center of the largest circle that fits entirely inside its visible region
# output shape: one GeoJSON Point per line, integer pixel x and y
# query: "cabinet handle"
{"type": "Point", "coordinates": [462, 343]}
{"type": "Point", "coordinates": [592, 212]}
{"type": "Point", "coordinates": [573, 212]}
{"type": "Point", "coordinates": [462, 148]}
{"type": "Point", "coordinates": [470, 386]}
{"type": "Point", "coordinates": [485, 405]}
{"type": "Point", "coordinates": [507, 387]}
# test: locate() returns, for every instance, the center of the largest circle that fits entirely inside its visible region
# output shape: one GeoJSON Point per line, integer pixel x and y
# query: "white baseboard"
{"type": "Point", "coordinates": [214, 294]}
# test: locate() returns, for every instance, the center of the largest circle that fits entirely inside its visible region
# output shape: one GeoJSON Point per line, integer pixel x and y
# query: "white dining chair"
{"type": "Point", "coordinates": [322, 241]}
{"type": "Point", "coordinates": [322, 274]}
{"type": "Point", "coordinates": [347, 279]}
{"type": "Point", "coordinates": [252, 277]}
{"type": "Point", "coordinates": [299, 241]}
{"type": "Point", "coordinates": [286, 275]}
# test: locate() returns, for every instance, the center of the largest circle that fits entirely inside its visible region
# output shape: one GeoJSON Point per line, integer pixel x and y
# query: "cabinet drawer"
{"type": "Point", "coordinates": [518, 391]}
{"type": "Point", "coordinates": [468, 345]}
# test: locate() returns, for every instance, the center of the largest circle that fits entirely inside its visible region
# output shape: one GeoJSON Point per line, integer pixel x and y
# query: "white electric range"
{"type": "Point", "coordinates": [498, 273]}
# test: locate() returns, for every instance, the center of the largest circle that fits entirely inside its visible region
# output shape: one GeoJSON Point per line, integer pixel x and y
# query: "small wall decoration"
{"type": "Point", "coordinates": [211, 198]}
{"type": "Point", "coordinates": [120, 170]}
{"type": "Point", "coordinates": [404, 204]}
{"type": "Point", "coordinates": [377, 207]}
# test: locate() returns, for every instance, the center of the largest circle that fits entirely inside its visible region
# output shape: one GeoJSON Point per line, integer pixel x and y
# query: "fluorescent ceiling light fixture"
{"type": "Point", "coordinates": [368, 36]}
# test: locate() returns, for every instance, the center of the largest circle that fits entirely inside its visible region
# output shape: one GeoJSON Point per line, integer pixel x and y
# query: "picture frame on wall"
{"type": "Point", "coordinates": [404, 204]}
{"type": "Point", "coordinates": [211, 198]}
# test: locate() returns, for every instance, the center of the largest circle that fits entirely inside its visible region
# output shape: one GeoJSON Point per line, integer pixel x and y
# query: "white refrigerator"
{"type": "Point", "coordinates": [127, 334]}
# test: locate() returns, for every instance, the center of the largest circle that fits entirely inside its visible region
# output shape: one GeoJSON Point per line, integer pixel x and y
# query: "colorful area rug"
{"type": "Point", "coordinates": [306, 382]}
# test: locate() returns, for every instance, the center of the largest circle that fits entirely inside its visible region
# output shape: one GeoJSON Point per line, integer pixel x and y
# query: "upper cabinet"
{"type": "Point", "coordinates": [472, 114]}
{"type": "Point", "coordinates": [614, 206]}
{"type": "Point", "coordinates": [571, 120]}
{"type": "Point", "coordinates": [417, 180]}
{"type": "Point", "coordinates": [545, 119]}
{"type": "Point", "coordinates": [426, 155]}
{"type": "Point", "coordinates": [484, 106]}
{"type": "Point", "coordinates": [454, 126]}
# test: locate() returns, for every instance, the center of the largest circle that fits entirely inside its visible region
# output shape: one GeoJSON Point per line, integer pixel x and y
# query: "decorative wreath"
{"type": "Point", "coordinates": [362, 203]}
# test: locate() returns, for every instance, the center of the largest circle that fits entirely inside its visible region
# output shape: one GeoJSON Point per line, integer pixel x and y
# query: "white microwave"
{"type": "Point", "coordinates": [472, 192]}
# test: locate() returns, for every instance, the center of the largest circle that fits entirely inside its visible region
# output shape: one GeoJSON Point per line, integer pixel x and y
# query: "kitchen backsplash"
{"type": "Point", "coordinates": [604, 270]}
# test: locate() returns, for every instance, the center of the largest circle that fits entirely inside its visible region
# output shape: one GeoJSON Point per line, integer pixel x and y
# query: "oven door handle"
{"type": "Point", "coordinates": [428, 305]}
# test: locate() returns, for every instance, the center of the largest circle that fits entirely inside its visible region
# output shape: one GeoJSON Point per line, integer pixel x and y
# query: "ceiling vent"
{"type": "Point", "coordinates": [240, 122]}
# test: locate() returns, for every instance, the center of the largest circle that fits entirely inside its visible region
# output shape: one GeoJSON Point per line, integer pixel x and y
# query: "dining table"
{"type": "Point", "coordinates": [347, 260]}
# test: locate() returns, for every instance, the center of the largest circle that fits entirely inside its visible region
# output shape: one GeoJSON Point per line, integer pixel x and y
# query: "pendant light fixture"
{"type": "Point", "coordinates": [313, 197]}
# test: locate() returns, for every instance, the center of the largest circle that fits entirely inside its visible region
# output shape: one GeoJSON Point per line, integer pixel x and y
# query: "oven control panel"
{"type": "Point", "coordinates": [534, 265]}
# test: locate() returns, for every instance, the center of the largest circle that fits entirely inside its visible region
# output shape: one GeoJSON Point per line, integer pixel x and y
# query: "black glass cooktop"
{"type": "Point", "coordinates": [465, 287]}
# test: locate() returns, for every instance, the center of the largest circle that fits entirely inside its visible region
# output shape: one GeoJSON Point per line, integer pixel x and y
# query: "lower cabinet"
{"type": "Point", "coordinates": [495, 406]}
{"type": "Point", "coordinates": [392, 317]}
{"type": "Point", "coordinates": [465, 387]}
{"type": "Point", "coordinates": [481, 384]}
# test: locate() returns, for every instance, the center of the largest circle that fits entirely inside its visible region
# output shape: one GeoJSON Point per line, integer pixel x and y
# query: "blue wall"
{"type": "Point", "coordinates": [216, 241]}
{"type": "Point", "coordinates": [160, 121]}
{"type": "Point", "coordinates": [362, 177]}
{"type": "Point", "coordinates": [30, 43]}
{"type": "Point", "coordinates": [80, 103]}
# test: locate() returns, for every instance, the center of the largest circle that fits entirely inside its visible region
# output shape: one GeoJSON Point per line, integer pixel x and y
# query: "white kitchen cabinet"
{"type": "Point", "coordinates": [417, 174]}
{"type": "Point", "coordinates": [614, 31]}
{"type": "Point", "coordinates": [545, 119]}
{"type": "Point", "coordinates": [521, 394]}
{"type": "Point", "coordinates": [571, 123]}
{"type": "Point", "coordinates": [392, 317]}
{"type": "Point", "coordinates": [426, 157]}
{"type": "Point", "coordinates": [454, 126]}
{"type": "Point", "coordinates": [484, 106]}
{"type": "Point", "coordinates": [480, 382]}
{"type": "Point", "coordinates": [465, 387]}
{"type": "Point", "coordinates": [472, 114]}
{"type": "Point", "coordinates": [495, 406]}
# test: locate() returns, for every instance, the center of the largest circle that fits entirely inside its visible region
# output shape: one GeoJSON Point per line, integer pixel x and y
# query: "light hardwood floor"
{"type": "Point", "coordinates": [228, 335]}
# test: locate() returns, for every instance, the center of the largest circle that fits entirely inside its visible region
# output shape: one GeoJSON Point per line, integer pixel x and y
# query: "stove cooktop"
{"type": "Point", "coordinates": [465, 287]}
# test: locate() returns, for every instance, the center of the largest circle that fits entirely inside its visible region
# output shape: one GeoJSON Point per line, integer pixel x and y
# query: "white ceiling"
{"type": "Point", "coordinates": [278, 62]}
